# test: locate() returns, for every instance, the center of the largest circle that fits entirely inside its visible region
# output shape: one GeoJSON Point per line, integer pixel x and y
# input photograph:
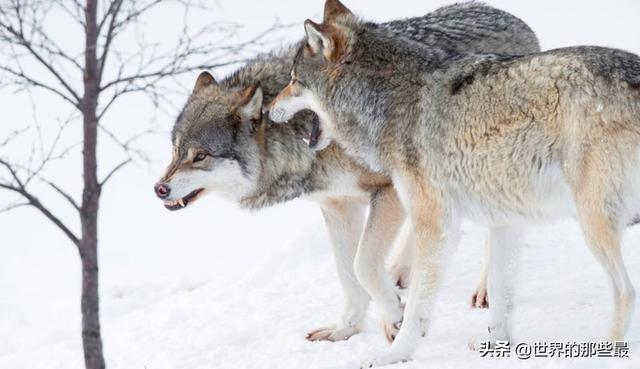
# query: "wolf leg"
{"type": "Point", "coordinates": [602, 187]}
{"type": "Point", "coordinates": [480, 298]}
{"type": "Point", "coordinates": [400, 269]}
{"type": "Point", "coordinates": [504, 246]}
{"type": "Point", "coordinates": [436, 234]}
{"type": "Point", "coordinates": [344, 220]}
{"type": "Point", "coordinates": [386, 216]}
{"type": "Point", "coordinates": [603, 238]}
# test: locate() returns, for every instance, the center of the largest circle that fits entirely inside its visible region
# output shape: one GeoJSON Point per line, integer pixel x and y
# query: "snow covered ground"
{"type": "Point", "coordinates": [259, 319]}
{"type": "Point", "coordinates": [215, 287]}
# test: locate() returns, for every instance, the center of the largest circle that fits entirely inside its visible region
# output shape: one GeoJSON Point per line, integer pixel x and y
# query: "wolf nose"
{"type": "Point", "coordinates": [161, 190]}
{"type": "Point", "coordinates": [277, 115]}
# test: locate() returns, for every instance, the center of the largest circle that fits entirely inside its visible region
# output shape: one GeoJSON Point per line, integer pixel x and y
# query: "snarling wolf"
{"type": "Point", "coordinates": [222, 143]}
{"type": "Point", "coordinates": [506, 141]}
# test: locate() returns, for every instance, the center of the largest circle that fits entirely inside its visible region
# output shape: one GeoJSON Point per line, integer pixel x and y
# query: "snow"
{"type": "Point", "coordinates": [215, 287]}
{"type": "Point", "coordinates": [258, 318]}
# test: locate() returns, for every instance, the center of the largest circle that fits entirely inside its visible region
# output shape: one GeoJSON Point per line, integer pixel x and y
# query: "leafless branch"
{"type": "Point", "coordinates": [15, 205]}
{"type": "Point", "coordinates": [63, 194]}
{"type": "Point", "coordinates": [19, 187]}
{"type": "Point", "coordinates": [113, 171]}
{"type": "Point", "coordinates": [206, 44]}
{"type": "Point", "coordinates": [13, 172]}
{"type": "Point", "coordinates": [13, 135]}
{"type": "Point", "coordinates": [26, 81]}
{"type": "Point", "coordinates": [33, 201]}
{"type": "Point", "coordinates": [21, 39]}
{"type": "Point", "coordinates": [125, 145]}
{"type": "Point", "coordinates": [114, 9]}
{"type": "Point", "coordinates": [75, 10]}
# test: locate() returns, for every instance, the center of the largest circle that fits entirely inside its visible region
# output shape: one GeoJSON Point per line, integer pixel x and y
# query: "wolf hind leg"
{"type": "Point", "coordinates": [602, 229]}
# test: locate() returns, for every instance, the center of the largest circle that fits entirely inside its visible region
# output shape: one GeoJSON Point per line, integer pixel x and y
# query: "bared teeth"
{"type": "Point", "coordinates": [306, 140]}
{"type": "Point", "coordinates": [182, 202]}
{"type": "Point", "coordinates": [175, 203]}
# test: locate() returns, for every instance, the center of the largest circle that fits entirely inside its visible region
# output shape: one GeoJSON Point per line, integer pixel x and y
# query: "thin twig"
{"type": "Point", "coordinates": [114, 170]}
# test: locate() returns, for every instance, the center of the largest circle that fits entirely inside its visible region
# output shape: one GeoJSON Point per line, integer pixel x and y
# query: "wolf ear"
{"type": "Point", "coordinates": [204, 79]}
{"type": "Point", "coordinates": [318, 38]}
{"type": "Point", "coordinates": [249, 106]}
{"type": "Point", "coordinates": [334, 9]}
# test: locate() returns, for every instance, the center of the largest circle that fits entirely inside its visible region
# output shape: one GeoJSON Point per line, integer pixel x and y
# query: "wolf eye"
{"type": "Point", "coordinates": [199, 157]}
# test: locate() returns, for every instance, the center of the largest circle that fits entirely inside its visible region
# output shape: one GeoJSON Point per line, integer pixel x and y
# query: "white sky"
{"type": "Point", "coordinates": [141, 242]}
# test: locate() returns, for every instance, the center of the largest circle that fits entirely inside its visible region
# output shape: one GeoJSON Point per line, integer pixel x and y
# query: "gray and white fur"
{"type": "Point", "coordinates": [257, 164]}
{"type": "Point", "coordinates": [506, 141]}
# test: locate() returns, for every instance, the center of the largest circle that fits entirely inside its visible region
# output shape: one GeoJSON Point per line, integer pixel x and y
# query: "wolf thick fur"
{"type": "Point", "coordinates": [258, 164]}
{"type": "Point", "coordinates": [502, 140]}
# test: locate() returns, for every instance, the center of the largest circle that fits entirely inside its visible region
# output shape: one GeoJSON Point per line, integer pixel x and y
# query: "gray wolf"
{"type": "Point", "coordinates": [223, 144]}
{"type": "Point", "coordinates": [505, 141]}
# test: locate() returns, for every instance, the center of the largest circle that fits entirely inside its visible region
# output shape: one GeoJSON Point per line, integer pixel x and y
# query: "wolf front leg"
{"type": "Point", "coordinates": [400, 269]}
{"type": "Point", "coordinates": [504, 247]}
{"type": "Point", "coordinates": [480, 298]}
{"type": "Point", "coordinates": [344, 220]}
{"type": "Point", "coordinates": [386, 216]}
{"type": "Point", "coordinates": [436, 235]}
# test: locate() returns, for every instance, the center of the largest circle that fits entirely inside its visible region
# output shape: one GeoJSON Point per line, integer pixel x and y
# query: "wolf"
{"type": "Point", "coordinates": [506, 141]}
{"type": "Point", "coordinates": [223, 144]}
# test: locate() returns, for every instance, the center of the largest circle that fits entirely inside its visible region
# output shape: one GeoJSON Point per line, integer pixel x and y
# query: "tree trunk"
{"type": "Point", "coordinates": [90, 305]}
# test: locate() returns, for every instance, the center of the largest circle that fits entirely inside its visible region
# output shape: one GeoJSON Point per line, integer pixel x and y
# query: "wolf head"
{"type": "Point", "coordinates": [214, 148]}
{"type": "Point", "coordinates": [326, 51]}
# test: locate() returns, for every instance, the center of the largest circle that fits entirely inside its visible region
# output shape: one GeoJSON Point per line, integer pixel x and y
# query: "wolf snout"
{"type": "Point", "coordinates": [278, 115]}
{"type": "Point", "coordinates": [161, 190]}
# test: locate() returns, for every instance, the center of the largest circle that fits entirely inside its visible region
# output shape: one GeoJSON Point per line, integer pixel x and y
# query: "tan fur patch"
{"type": "Point", "coordinates": [426, 211]}
{"type": "Point", "coordinates": [340, 42]}
{"type": "Point", "coordinates": [290, 90]}
{"type": "Point", "coordinates": [204, 79]}
{"type": "Point", "coordinates": [261, 138]}
{"type": "Point", "coordinates": [334, 9]}
{"type": "Point", "coordinates": [370, 181]}
{"type": "Point", "coordinates": [172, 169]}
{"type": "Point", "coordinates": [243, 97]}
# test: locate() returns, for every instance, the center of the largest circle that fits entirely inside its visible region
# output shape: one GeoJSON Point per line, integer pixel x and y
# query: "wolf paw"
{"type": "Point", "coordinates": [480, 299]}
{"type": "Point", "coordinates": [387, 358]}
{"type": "Point", "coordinates": [332, 334]}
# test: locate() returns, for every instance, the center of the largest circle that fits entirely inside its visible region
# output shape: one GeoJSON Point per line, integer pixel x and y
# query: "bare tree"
{"type": "Point", "coordinates": [90, 83]}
